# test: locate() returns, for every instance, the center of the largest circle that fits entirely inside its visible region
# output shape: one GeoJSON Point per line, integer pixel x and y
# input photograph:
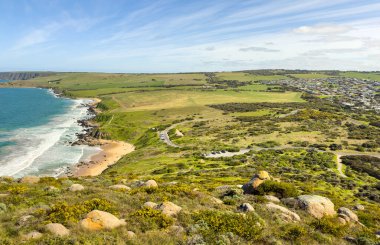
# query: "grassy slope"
{"type": "Point", "coordinates": [136, 103]}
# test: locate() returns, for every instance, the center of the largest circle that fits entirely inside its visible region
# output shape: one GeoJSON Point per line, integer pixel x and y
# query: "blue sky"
{"type": "Point", "coordinates": [188, 36]}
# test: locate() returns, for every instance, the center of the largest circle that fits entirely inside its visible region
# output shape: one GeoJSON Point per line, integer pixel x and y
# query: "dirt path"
{"type": "Point", "coordinates": [164, 136]}
{"type": "Point", "coordinates": [339, 156]}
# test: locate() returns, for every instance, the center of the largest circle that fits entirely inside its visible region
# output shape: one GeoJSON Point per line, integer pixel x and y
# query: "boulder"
{"type": "Point", "coordinates": [150, 184]}
{"type": "Point", "coordinates": [216, 200]}
{"type": "Point", "coordinates": [30, 180]}
{"type": "Point", "coordinates": [272, 199]}
{"type": "Point", "coordinates": [359, 207]}
{"type": "Point", "coordinates": [255, 182]}
{"type": "Point", "coordinates": [178, 133]}
{"type": "Point", "coordinates": [169, 208]}
{"type": "Point", "coordinates": [131, 234]}
{"type": "Point", "coordinates": [286, 214]}
{"type": "Point", "coordinates": [120, 187]}
{"type": "Point", "coordinates": [76, 187]}
{"type": "Point", "coordinates": [51, 189]}
{"type": "Point", "coordinates": [342, 221]}
{"type": "Point", "coordinates": [290, 202]}
{"type": "Point", "coordinates": [246, 207]}
{"type": "Point", "coordinates": [100, 220]}
{"type": "Point", "coordinates": [317, 206]}
{"type": "Point", "coordinates": [24, 219]}
{"type": "Point", "coordinates": [351, 216]}
{"type": "Point", "coordinates": [32, 235]}
{"type": "Point", "coordinates": [57, 229]}
{"type": "Point", "coordinates": [150, 205]}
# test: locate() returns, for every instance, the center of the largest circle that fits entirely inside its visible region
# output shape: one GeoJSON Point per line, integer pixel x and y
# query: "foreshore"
{"type": "Point", "coordinates": [112, 151]}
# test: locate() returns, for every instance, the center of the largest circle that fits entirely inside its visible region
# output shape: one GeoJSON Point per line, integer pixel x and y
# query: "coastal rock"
{"type": "Point", "coordinates": [286, 214]}
{"type": "Point", "coordinates": [120, 187]}
{"type": "Point", "coordinates": [317, 206]}
{"type": "Point", "coordinates": [255, 182]}
{"type": "Point", "coordinates": [32, 235]}
{"type": "Point", "coordinates": [169, 208]}
{"type": "Point", "coordinates": [30, 180]}
{"type": "Point", "coordinates": [246, 207]}
{"type": "Point", "coordinates": [100, 220]}
{"type": "Point", "coordinates": [272, 199]}
{"type": "Point", "coordinates": [150, 184]}
{"type": "Point", "coordinates": [351, 216]}
{"type": "Point", "coordinates": [150, 205]}
{"type": "Point", "coordinates": [76, 187]}
{"type": "Point", "coordinates": [57, 229]}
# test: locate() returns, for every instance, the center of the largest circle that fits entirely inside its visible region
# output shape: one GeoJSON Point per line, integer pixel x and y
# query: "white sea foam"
{"type": "Point", "coordinates": [46, 149]}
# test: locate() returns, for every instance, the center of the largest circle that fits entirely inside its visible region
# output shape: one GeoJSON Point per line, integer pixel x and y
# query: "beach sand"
{"type": "Point", "coordinates": [111, 152]}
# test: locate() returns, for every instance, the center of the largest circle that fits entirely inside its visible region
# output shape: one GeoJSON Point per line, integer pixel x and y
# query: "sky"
{"type": "Point", "coordinates": [188, 36]}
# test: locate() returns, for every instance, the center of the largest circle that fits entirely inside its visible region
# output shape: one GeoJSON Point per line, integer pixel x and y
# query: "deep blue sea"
{"type": "Point", "coordinates": [36, 132]}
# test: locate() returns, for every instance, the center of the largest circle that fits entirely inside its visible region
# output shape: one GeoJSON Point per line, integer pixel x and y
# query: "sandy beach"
{"type": "Point", "coordinates": [111, 152]}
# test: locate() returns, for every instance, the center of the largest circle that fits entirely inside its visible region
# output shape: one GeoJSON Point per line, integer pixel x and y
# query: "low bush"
{"type": "Point", "coordinates": [280, 189]}
{"type": "Point", "coordinates": [212, 223]}
{"type": "Point", "coordinates": [150, 219]}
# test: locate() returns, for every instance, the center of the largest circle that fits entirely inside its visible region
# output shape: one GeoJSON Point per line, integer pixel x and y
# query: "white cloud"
{"type": "Point", "coordinates": [323, 29]}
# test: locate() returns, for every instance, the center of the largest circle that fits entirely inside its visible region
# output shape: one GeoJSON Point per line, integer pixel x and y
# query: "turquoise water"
{"type": "Point", "coordinates": [3, 81]}
{"type": "Point", "coordinates": [36, 132]}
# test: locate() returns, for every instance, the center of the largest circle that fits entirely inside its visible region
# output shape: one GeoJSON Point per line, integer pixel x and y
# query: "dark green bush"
{"type": "Point", "coordinates": [280, 189]}
{"type": "Point", "coordinates": [329, 225]}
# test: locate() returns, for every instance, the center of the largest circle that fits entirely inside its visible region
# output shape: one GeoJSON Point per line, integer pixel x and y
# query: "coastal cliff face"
{"type": "Point", "coordinates": [22, 75]}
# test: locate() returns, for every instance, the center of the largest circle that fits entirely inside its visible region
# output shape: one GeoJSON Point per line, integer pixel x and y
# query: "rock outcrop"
{"type": "Point", "coordinates": [348, 215]}
{"type": "Point", "coordinates": [76, 187]}
{"type": "Point", "coordinates": [169, 208]}
{"type": "Point", "coordinates": [285, 213]}
{"type": "Point", "coordinates": [255, 182]}
{"type": "Point", "coordinates": [150, 184]}
{"type": "Point", "coordinates": [272, 199]}
{"type": "Point", "coordinates": [32, 235]}
{"type": "Point", "coordinates": [57, 229]}
{"type": "Point", "coordinates": [120, 187]}
{"type": "Point", "coordinates": [246, 207]}
{"type": "Point", "coordinates": [316, 206]}
{"type": "Point", "coordinates": [100, 220]}
{"type": "Point", "coordinates": [150, 205]}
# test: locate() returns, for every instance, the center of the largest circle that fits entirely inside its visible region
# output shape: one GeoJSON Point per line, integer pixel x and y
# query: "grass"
{"type": "Point", "coordinates": [375, 76]}
{"type": "Point", "coordinates": [139, 104]}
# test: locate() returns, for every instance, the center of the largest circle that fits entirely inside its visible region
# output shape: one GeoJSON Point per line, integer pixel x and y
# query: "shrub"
{"type": "Point", "coordinates": [281, 189]}
{"type": "Point", "coordinates": [212, 223]}
{"type": "Point", "coordinates": [16, 190]}
{"type": "Point", "coordinates": [150, 219]}
{"type": "Point", "coordinates": [293, 232]}
{"type": "Point", "coordinates": [64, 213]}
{"type": "Point", "coordinates": [329, 225]}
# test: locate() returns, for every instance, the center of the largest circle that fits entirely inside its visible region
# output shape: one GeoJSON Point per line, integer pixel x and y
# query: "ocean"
{"type": "Point", "coordinates": [36, 132]}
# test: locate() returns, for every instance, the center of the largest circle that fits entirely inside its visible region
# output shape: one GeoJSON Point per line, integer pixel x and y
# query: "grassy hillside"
{"type": "Point", "coordinates": [298, 139]}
